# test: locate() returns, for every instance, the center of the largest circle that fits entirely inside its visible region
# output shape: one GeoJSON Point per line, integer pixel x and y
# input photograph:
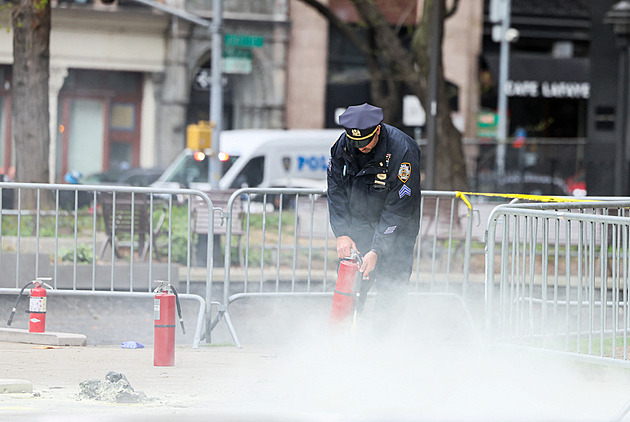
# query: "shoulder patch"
{"type": "Point", "coordinates": [390, 230]}
{"type": "Point", "coordinates": [404, 191]}
{"type": "Point", "coordinates": [404, 172]}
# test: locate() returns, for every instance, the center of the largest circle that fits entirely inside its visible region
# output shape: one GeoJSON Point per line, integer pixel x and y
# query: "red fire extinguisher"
{"type": "Point", "coordinates": [346, 290]}
{"type": "Point", "coordinates": [164, 304]}
{"type": "Point", "coordinates": [37, 305]}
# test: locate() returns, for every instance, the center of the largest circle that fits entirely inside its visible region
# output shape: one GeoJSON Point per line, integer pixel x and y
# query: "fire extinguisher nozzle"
{"type": "Point", "coordinates": [11, 317]}
{"type": "Point", "coordinates": [181, 321]}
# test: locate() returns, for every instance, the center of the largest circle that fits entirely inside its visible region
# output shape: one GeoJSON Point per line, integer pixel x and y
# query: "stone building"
{"type": "Point", "coordinates": [126, 79]}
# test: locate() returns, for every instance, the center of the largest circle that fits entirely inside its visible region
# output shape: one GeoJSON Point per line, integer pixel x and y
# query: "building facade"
{"type": "Point", "coordinates": [127, 79]}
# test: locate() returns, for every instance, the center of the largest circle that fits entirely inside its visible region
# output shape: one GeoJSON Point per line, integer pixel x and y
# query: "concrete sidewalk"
{"type": "Point", "coordinates": [315, 378]}
{"type": "Point", "coordinates": [205, 381]}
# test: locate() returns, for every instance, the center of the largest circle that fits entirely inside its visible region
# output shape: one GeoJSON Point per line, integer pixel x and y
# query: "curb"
{"type": "Point", "coordinates": [17, 335]}
{"type": "Point", "coordinates": [10, 386]}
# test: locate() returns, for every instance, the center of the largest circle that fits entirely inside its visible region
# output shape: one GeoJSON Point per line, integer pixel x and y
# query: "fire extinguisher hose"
{"type": "Point", "coordinates": [17, 302]}
{"type": "Point", "coordinates": [179, 309]}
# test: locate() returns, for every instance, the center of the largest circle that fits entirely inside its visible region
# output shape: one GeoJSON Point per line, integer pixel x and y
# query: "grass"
{"type": "Point", "coordinates": [64, 224]}
{"type": "Point", "coordinates": [596, 346]}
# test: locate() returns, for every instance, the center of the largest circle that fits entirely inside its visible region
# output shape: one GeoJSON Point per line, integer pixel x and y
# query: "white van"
{"type": "Point", "coordinates": [258, 158]}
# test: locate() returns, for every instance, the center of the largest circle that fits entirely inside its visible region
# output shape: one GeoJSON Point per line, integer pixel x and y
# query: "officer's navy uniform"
{"type": "Point", "coordinates": [374, 198]}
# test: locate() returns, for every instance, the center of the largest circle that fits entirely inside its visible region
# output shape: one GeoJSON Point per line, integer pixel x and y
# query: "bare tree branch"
{"type": "Point", "coordinates": [451, 11]}
{"type": "Point", "coordinates": [342, 26]}
{"type": "Point", "coordinates": [393, 66]}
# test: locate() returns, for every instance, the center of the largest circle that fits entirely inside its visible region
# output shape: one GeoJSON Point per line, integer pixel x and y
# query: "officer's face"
{"type": "Point", "coordinates": [372, 143]}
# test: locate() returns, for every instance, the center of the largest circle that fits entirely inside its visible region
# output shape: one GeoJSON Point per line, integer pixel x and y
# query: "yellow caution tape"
{"type": "Point", "coordinates": [536, 198]}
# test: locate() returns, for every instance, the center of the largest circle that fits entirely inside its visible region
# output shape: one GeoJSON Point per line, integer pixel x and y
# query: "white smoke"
{"type": "Point", "coordinates": [428, 371]}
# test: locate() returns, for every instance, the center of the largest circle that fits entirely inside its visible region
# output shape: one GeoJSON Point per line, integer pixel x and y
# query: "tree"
{"type": "Point", "coordinates": [29, 106]}
{"type": "Point", "coordinates": [393, 66]}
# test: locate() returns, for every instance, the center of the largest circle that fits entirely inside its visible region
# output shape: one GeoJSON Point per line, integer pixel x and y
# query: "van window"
{"type": "Point", "coordinates": [251, 175]}
{"type": "Point", "coordinates": [190, 170]}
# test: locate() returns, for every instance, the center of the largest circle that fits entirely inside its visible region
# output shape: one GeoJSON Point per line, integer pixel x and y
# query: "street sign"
{"type": "Point", "coordinates": [237, 60]}
{"type": "Point", "coordinates": [413, 113]}
{"type": "Point", "coordinates": [240, 40]}
{"type": "Point", "coordinates": [203, 79]}
{"type": "Point", "coordinates": [487, 124]}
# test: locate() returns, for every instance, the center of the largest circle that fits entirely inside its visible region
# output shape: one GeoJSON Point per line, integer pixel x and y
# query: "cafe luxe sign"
{"type": "Point", "coordinates": [545, 89]}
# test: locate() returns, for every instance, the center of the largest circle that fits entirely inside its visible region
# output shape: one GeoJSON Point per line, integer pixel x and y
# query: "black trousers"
{"type": "Point", "coordinates": [391, 274]}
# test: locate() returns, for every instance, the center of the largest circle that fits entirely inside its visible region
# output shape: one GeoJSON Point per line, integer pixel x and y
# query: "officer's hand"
{"type": "Point", "coordinates": [344, 245]}
{"type": "Point", "coordinates": [369, 262]}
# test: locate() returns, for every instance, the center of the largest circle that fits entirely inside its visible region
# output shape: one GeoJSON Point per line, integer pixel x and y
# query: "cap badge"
{"type": "Point", "coordinates": [356, 132]}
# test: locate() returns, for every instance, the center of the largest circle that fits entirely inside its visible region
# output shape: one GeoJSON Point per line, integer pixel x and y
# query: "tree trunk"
{"type": "Point", "coordinates": [392, 66]}
{"type": "Point", "coordinates": [450, 168]}
{"type": "Point", "coordinates": [29, 106]}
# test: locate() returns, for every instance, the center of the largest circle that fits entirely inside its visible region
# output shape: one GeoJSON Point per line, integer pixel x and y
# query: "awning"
{"type": "Point", "coordinates": [536, 76]}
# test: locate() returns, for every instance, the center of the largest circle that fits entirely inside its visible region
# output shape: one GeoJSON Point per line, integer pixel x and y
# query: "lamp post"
{"type": "Point", "coordinates": [504, 13]}
{"type": "Point", "coordinates": [216, 92]}
{"type": "Point", "coordinates": [216, 85]}
{"type": "Point", "coordinates": [434, 68]}
{"type": "Point", "coordinates": [619, 17]}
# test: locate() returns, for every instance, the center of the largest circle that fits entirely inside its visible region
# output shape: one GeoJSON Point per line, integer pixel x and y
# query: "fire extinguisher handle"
{"type": "Point", "coordinates": [356, 256]}
{"type": "Point", "coordinates": [43, 280]}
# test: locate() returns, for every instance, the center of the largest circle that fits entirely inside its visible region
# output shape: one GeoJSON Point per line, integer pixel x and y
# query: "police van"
{"type": "Point", "coordinates": [257, 158]}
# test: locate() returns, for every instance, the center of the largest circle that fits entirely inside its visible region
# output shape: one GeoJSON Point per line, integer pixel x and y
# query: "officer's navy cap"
{"type": "Point", "coordinates": [361, 121]}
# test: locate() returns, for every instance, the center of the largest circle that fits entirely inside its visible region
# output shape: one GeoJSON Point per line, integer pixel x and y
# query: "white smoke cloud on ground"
{"type": "Point", "coordinates": [428, 371]}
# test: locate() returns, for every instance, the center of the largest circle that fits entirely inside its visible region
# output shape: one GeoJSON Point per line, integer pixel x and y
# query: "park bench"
{"type": "Point", "coordinates": [124, 213]}
{"type": "Point", "coordinates": [201, 224]}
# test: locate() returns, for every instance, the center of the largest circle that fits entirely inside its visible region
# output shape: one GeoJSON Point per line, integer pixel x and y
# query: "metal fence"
{"type": "Point", "coordinates": [117, 241]}
{"type": "Point", "coordinates": [102, 241]}
{"type": "Point", "coordinates": [557, 276]}
{"type": "Point", "coordinates": [554, 275]}
{"type": "Point", "coordinates": [286, 246]}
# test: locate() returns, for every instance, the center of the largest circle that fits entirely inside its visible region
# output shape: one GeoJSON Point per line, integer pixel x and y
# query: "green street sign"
{"type": "Point", "coordinates": [240, 40]}
{"type": "Point", "coordinates": [237, 52]}
{"type": "Point", "coordinates": [487, 124]}
{"type": "Point", "coordinates": [237, 60]}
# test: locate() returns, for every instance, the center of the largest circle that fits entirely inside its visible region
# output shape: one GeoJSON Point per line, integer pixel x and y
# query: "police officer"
{"type": "Point", "coordinates": [374, 201]}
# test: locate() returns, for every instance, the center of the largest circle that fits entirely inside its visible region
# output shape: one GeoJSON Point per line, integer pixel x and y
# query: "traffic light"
{"type": "Point", "coordinates": [199, 136]}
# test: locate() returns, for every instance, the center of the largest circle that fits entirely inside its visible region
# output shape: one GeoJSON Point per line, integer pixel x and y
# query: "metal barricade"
{"type": "Point", "coordinates": [289, 249]}
{"type": "Point", "coordinates": [141, 235]}
{"type": "Point", "coordinates": [557, 276]}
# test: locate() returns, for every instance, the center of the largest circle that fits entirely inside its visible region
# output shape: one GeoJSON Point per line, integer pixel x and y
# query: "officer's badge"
{"type": "Point", "coordinates": [404, 172]}
{"type": "Point", "coordinates": [404, 191]}
{"type": "Point", "coordinates": [286, 163]}
{"type": "Point", "coordinates": [381, 176]}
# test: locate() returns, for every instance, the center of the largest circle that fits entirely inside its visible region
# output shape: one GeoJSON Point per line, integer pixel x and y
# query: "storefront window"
{"type": "Point", "coordinates": [85, 149]}
{"type": "Point", "coordinates": [122, 117]}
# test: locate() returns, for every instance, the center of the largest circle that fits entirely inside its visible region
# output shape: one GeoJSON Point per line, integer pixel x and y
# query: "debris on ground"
{"type": "Point", "coordinates": [132, 345]}
{"type": "Point", "coordinates": [115, 389]}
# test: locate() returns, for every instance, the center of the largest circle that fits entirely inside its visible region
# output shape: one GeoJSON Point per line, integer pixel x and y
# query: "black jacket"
{"type": "Point", "coordinates": [376, 204]}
